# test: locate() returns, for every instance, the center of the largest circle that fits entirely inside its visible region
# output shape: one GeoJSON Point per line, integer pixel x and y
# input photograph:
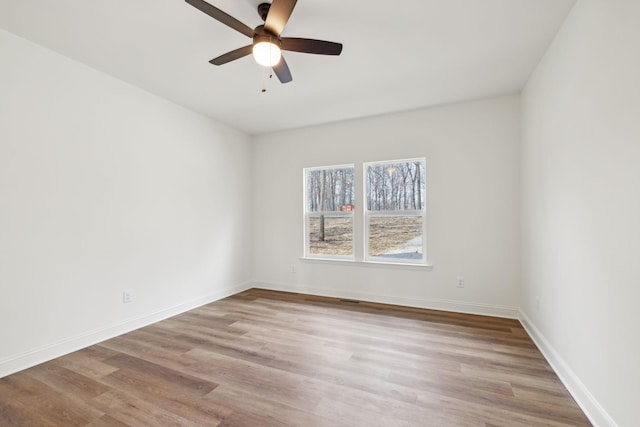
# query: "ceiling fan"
{"type": "Point", "coordinates": [267, 44]}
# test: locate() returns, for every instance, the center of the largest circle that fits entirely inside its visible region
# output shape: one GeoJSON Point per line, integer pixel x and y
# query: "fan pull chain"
{"type": "Point", "coordinates": [270, 74]}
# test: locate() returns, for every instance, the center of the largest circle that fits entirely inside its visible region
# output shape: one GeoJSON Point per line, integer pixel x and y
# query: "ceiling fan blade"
{"type": "Point", "coordinates": [221, 16]}
{"type": "Point", "coordinates": [279, 14]}
{"type": "Point", "coordinates": [282, 71]}
{"type": "Point", "coordinates": [233, 55]}
{"type": "Point", "coordinates": [319, 47]}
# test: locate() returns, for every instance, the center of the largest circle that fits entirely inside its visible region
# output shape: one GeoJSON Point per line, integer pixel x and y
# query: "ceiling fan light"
{"type": "Point", "coordinates": [266, 53]}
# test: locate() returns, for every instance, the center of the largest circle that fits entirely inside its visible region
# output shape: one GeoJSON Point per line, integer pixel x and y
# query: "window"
{"type": "Point", "coordinates": [393, 218]}
{"type": "Point", "coordinates": [395, 211]}
{"type": "Point", "coordinates": [329, 207]}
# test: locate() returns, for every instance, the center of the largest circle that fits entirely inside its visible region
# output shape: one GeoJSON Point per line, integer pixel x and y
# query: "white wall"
{"type": "Point", "coordinates": [581, 207]}
{"type": "Point", "coordinates": [472, 154]}
{"type": "Point", "coordinates": [105, 187]}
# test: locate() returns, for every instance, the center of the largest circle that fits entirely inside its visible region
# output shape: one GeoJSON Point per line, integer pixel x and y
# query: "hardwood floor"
{"type": "Point", "coordinates": [263, 358]}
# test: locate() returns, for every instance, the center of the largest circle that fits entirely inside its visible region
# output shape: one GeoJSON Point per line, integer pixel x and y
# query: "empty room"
{"type": "Point", "coordinates": [320, 213]}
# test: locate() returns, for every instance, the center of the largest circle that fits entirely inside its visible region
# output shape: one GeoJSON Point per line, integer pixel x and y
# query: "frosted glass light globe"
{"type": "Point", "coordinates": [266, 54]}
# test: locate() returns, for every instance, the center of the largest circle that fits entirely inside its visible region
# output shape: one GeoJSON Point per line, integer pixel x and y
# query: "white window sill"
{"type": "Point", "coordinates": [368, 264]}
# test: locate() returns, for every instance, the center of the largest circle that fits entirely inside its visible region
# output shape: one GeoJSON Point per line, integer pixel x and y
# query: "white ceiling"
{"type": "Point", "coordinates": [398, 55]}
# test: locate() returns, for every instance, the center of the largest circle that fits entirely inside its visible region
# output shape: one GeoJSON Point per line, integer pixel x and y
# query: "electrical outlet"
{"type": "Point", "coordinates": [293, 269]}
{"type": "Point", "coordinates": [460, 282]}
{"type": "Point", "coordinates": [127, 296]}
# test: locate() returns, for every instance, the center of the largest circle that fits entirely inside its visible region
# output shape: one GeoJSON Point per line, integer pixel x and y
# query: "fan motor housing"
{"type": "Point", "coordinates": [267, 38]}
{"type": "Point", "coordinates": [261, 31]}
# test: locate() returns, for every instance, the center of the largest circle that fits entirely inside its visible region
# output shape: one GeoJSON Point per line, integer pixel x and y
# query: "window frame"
{"type": "Point", "coordinates": [328, 214]}
{"type": "Point", "coordinates": [413, 213]}
{"type": "Point", "coordinates": [360, 222]}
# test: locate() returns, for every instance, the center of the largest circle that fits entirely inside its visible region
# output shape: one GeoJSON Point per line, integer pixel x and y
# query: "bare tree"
{"type": "Point", "coordinates": [395, 186]}
{"type": "Point", "coordinates": [323, 199]}
{"type": "Point", "coordinates": [329, 190]}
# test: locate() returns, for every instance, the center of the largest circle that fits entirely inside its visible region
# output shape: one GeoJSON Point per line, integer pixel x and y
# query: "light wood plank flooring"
{"type": "Point", "coordinates": [263, 358]}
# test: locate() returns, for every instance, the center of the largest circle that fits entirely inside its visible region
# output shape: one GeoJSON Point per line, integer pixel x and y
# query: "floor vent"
{"type": "Point", "coordinates": [351, 301]}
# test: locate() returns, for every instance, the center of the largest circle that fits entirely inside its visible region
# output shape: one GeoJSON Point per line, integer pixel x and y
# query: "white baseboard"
{"type": "Point", "coordinates": [39, 355]}
{"type": "Point", "coordinates": [589, 405]}
{"type": "Point", "coordinates": [433, 304]}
